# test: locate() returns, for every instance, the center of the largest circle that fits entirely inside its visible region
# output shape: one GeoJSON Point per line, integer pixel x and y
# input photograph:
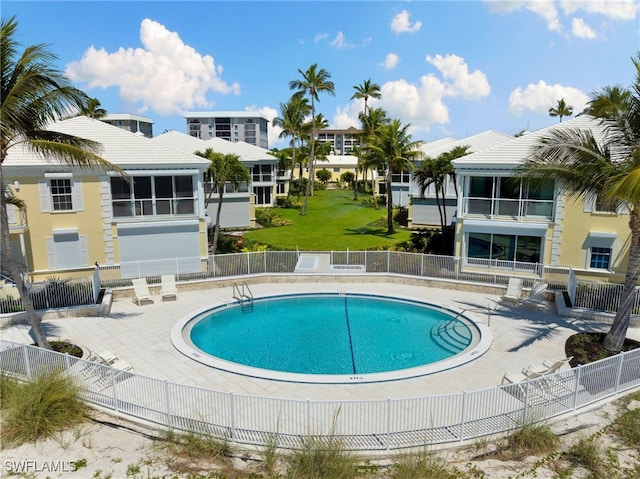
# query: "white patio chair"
{"type": "Point", "coordinates": [141, 291]}
{"type": "Point", "coordinates": [536, 296]}
{"type": "Point", "coordinates": [513, 294]}
{"type": "Point", "coordinates": [169, 290]}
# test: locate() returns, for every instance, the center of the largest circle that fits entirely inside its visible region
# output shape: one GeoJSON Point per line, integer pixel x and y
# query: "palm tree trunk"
{"type": "Point", "coordinates": [16, 275]}
{"type": "Point", "coordinates": [614, 340]}
{"type": "Point", "coordinates": [355, 186]}
{"type": "Point", "coordinates": [216, 229]}
{"type": "Point", "coordinates": [309, 190]}
{"type": "Point", "coordinates": [390, 229]}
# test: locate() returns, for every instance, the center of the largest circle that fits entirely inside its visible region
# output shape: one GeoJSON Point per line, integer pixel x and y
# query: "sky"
{"type": "Point", "coordinates": [447, 68]}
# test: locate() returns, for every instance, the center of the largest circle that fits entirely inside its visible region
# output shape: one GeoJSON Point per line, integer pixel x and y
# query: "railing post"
{"type": "Point", "coordinates": [67, 364]}
{"type": "Point", "coordinates": [167, 400]}
{"type": "Point", "coordinates": [619, 373]}
{"type": "Point", "coordinates": [116, 407]}
{"type": "Point", "coordinates": [264, 256]}
{"type": "Point", "coordinates": [526, 402]}
{"type": "Point", "coordinates": [232, 417]}
{"type": "Point", "coordinates": [27, 364]}
{"type": "Point", "coordinates": [575, 392]}
{"type": "Point", "coordinates": [388, 261]}
{"type": "Point", "coordinates": [308, 417]}
{"type": "Point", "coordinates": [388, 441]}
{"type": "Point", "coordinates": [463, 414]}
{"type": "Point", "coordinates": [248, 264]}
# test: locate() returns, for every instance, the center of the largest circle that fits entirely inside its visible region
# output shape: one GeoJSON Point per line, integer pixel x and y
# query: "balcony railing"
{"type": "Point", "coordinates": [512, 208]}
{"type": "Point", "coordinates": [17, 218]}
{"type": "Point", "coordinates": [154, 207]}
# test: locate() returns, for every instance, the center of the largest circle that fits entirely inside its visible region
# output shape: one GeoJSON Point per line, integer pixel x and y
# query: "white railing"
{"type": "Point", "coordinates": [603, 297]}
{"type": "Point", "coordinates": [359, 424]}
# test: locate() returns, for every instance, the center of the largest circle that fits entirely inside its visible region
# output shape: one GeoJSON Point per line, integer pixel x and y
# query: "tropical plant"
{"type": "Point", "coordinates": [395, 149]}
{"type": "Point", "coordinates": [608, 168]}
{"type": "Point", "coordinates": [292, 121]}
{"type": "Point", "coordinates": [222, 170]}
{"type": "Point", "coordinates": [323, 175]}
{"type": "Point", "coordinates": [93, 109]}
{"type": "Point", "coordinates": [364, 91]}
{"type": "Point", "coordinates": [561, 109]}
{"type": "Point", "coordinates": [313, 82]}
{"type": "Point", "coordinates": [433, 171]}
{"type": "Point", "coordinates": [371, 124]}
{"type": "Point", "coordinates": [611, 102]}
{"type": "Point", "coordinates": [34, 93]}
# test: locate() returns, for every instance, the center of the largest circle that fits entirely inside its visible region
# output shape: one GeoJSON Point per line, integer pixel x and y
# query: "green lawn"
{"type": "Point", "coordinates": [334, 221]}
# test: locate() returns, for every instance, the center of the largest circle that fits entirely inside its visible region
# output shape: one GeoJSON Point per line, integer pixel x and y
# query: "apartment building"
{"type": "Point", "coordinates": [129, 122]}
{"type": "Point", "coordinates": [234, 126]}
{"type": "Point", "coordinates": [342, 141]}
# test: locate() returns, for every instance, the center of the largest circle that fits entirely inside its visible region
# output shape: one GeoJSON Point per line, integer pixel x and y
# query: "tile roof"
{"type": "Point", "coordinates": [190, 144]}
{"type": "Point", "coordinates": [512, 153]}
{"type": "Point", "coordinates": [477, 142]}
{"type": "Point", "coordinates": [120, 147]}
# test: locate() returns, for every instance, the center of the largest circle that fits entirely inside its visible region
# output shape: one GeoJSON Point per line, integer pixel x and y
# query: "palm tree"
{"type": "Point", "coordinates": [292, 122]}
{"type": "Point", "coordinates": [396, 150]}
{"type": "Point", "coordinates": [313, 82]}
{"type": "Point", "coordinates": [611, 102]}
{"type": "Point", "coordinates": [561, 109]}
{"type": "Point", "coordinates": [608, 167]}
{"type": "Point", "coordinates": [433, 171]}
{"type": "Point", "coordinates": [371, 124]}
{"type": "Point", "coordinates": [364, 91]}
{"type": "Point", "coordinates": [93, 109]}
{"type": "Point", "coordinates": [223, 169]}
{"type": "Point", "coordinates": [33, 95]}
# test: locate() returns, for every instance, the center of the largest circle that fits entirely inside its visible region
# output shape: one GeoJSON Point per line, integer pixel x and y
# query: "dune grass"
{"type": "Point", "coordinates": [39, 409]}
{"type": "Point", "coordinates": [334, 221]}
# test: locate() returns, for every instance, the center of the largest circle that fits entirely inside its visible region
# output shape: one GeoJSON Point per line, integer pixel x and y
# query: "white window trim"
{"type": "Point", "coordinates": [44, 186]}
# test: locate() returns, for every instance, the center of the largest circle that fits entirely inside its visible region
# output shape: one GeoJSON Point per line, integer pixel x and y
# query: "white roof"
{"type": "Point", "coordinates": [337, 161]}
{"type": "Point", "coordinates": [226, 114]}
{"type": "Point", "coordinates": [125, 116]}
{"type": "Point", "coordinates": [120, 147]}
{"type": "Point", "coordinates": [477, 142]}
{"type": "Point", "coordinates": [191, 144]}
{"type": "Point", "coordinates": [512, 153]}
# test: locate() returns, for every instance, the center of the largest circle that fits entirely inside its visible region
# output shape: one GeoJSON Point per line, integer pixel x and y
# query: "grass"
{"type": "Point", "coordinates": [532, 439]}
{"type": "Point", "coordinates": [322, 459]}
{"type": "Point", "coordinates": [334, 221]}
{"type": "Point", "coordinates": [39, 409]}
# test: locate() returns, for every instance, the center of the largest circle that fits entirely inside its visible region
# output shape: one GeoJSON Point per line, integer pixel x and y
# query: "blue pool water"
{"type": "Point", "coordinates": [330, 334]}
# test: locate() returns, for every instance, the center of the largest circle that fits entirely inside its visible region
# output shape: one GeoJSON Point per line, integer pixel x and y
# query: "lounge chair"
{"type": "Point", "coordinates": [536, 297]}
{"type": "Point", "coordinates": [104, 357]}
{"type": "Point", "coordinates": [122, 365]}
{"type": "Point", "coordinates": [141, 291]}
{"type": "Point", "coordinates": [514, 292]}
{"type": "Point", "coordinates": [546, 368]}
{"type": "Point", "coordinates": [169, 289]}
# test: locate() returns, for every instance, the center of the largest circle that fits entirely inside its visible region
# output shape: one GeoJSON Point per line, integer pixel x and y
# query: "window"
{"type": "Point", "coordinates": [504, 247]}
{"type": "Point", "coordinates": [603, 206]}
{"type": "Point", "coordinates": [152, 195]}
{"type": "Point", "coordinates": [263, 195]}
{"type": "Point", "coordinates": [61, 199]}
{"type": "Point", "coordinates": [261, 173]}
{"type": "Point", "coordinates": [67, 249]}
{"type": "Point", "coordinates": [600, 258]}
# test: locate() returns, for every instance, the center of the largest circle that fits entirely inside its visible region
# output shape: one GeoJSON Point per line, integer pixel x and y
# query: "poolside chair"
{"type": "Point", "coordinates": [104, 357]}
{"type": "Point", "coordinates": [514, 292]}
{"type": "Point", "coordinates": [546, 368]}
{"type": "Point", "coordinates": [141, 291]}
{"type": "Point", "coordinates": [169, 290]}
{"type": "Point", "coordinates": [536, 296]}
{"type": "Point", "coordinates": [122, 365]}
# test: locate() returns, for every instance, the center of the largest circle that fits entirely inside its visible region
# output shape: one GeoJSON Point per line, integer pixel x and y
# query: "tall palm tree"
{"type": "Point", "coordinates": [364, 91]}
{"type": "Point", "coordinates": [608, 167]}
{"type": "Point", "coordinates": [222, 170]}
{"type": "Point", "coordinates": [612, 102]}
{"type": "Point", "coordinates": [396, 150]}
{"type": "Point", "coordinates": [433, 171]}
{"type": "Point", "coordinates": [33, 95]}
{"type": "Point", "coordinates": [292, 122]}
{"type": "Point", "coordinates": [371, 124]}
{"type": "Point", "coordinates": [561, 109]}
{"type": "Point", "coordinates": [313, 82]}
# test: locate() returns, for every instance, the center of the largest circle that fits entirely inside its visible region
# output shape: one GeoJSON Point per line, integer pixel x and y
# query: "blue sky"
{"type": "Point", "coordinates": [449, 68]}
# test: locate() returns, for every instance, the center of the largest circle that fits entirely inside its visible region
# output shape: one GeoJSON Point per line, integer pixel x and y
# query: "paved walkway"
{"type": "Point", "coordinates": [140, 335]}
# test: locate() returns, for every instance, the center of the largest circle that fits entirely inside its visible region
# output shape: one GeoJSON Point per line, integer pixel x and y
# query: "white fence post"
{"type": "Point", "coordinates": [232, 416]}
{"type": "Point", "coordinates": [575, 393]}
{"type": "Point", "coordinates": [388, 423]}
{"type": "Point", "coordinates": [619, 373]}
{"type": "Point", "coordinates": [167, 399]}
{"type": "Point", "coordinates": [308, 417]}
{"type": "Point", "coordinates": [115, 394]}
{"type": "Point", "coordinates": [27, 364]}
{"type": "Point", "coordinates": [463, 414]}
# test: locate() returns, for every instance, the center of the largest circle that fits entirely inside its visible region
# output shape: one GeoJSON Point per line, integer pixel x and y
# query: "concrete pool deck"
{"type": "Point", "coordinates": [140, 335]}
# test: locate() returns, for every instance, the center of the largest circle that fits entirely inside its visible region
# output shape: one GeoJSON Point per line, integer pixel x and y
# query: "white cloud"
{"type": "Point", "coordinates": [320, 36]}
{"type": "Point", "coordinates": [340, 41]}
{"type": "Point", "coordinates": [614, 9]}
{"type": "Point", "coordinates": [471, 86]}
{"type": "Point", "coordinates": [391, 61]}
{"type": "Point", "coordinates": [540, 97]}
{"type": "Point", "coordinates": [548, 11]}
{"type": "Point", "coordinates": [423, 104]}
{"type": "Point", "coordinates": [401, 23]}
{"type": "Point", "coordinates": [581, 30]}
{"type": "Point", "coordinates": [165, 75]}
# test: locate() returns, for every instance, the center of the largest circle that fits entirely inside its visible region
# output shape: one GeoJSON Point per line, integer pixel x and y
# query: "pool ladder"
{"type": "Point", "coordinates": [244, 295]}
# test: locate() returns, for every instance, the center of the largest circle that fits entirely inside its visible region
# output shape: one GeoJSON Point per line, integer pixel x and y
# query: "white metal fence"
{"type": "Point", "coordinates": [359, 424]}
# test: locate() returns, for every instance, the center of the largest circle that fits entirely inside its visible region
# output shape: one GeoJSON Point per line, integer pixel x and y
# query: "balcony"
{"type": "Point", "coordinates": [17, 219]}
{"type": "Point", "coordinates": [508, 208]}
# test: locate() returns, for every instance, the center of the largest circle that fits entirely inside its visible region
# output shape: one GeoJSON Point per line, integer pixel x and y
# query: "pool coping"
{"type": "Point", "coordinates": [180, 341]}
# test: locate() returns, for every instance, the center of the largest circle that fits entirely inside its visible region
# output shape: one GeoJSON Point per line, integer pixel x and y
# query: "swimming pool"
{"type": "Point", "coordinates": [331, 337]}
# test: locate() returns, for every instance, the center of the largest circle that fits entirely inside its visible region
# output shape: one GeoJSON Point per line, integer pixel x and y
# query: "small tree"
{"type": "Point", "coordinates": [323, 175]}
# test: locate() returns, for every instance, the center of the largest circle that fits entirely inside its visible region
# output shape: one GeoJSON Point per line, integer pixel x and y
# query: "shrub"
{"type": "Point", "coordinates": [38, 409]}
{"type": "Point", "coordinates": [322, 458]}
{"type": "Point", "coordinates": [532, 439]}
{"type": "Point", "coordinates": [268, 218]}
{"type": "Point", "coordinates": [323, 175]}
